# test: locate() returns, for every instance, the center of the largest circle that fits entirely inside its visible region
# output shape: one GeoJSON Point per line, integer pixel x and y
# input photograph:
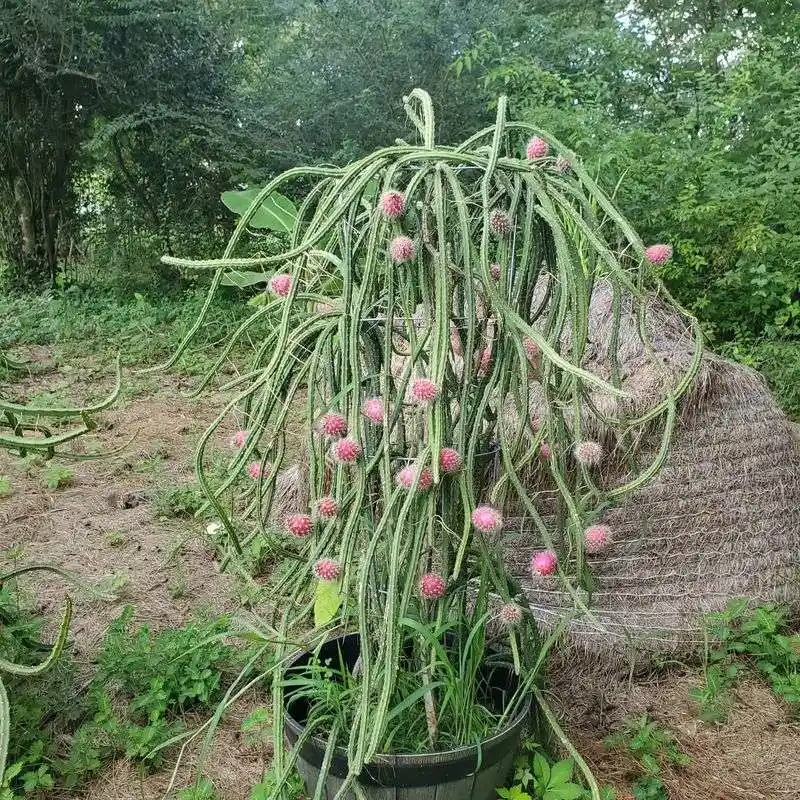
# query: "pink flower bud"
{"type": "Point", "coordinates": [373, 410]}
{"type": "Point", "coordinates": [487, 519]}
{"type": "Point", "coordinates": [281, 285]}
{"type": "Point", "coordinates": [392, 204]}
{"type": "Point", "coordinates": [401, 248]}
{"type": "Point", "coordinates": [346, 451]}
{"type": "Point", "coordinates": [449, 460]}
{"type": "Point", "coordinates": [658, 253]}
{"type": "Point", "coordinates": [588, 453]}
{"type": "Point", "coordinates": [298, 525]}
{"type": "Point", "coordinates": [537, 148]}
{"type": "Point", "coordinates": [597, 537]}
{"type": "Point", "coordinates": [333, 425]}
{"type": "Point", "coordinates": [327, 507]}
{"type": "Point", "coordinates": [326, 569]}
{"type": "Point", "coordinates": [432, 586]}
{"type": "Point", "coordinates": [544, 563]}
{"type": "Point", "coordinates": [423, 390]}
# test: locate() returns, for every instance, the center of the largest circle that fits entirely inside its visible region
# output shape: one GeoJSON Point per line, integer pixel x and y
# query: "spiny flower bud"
{"type": "Point", "coordinates": [327, 507]}
{"type": "Point", "coordinates": [401, 248]}
{"type": "Point", "coordinates": [333, 425]}
{"type": "Point", "coordinates": [537, 148]}
{"type": "Point", "coordinates": [373, 410]}
{"type": "Point", "coordinates": [544, 563]}
{"type": "Point", "coordinates": [511, 614]}
{"type": "Point", "coordinates": [281, 284]}
{"type": "Point", "coordinates": [500, 223]}
{"type": "Point", "coordinates": [597, 537]}
{"type": "Point", "coordinates": [407, 475]}
{"type": "Point", "coordinates": [487, 519]}
{"type": "Point", "coordinates": [326, 569]}
{"type": "Point", "coordinates": [298, 525]}
{"type": "Point", "coordinates": [346, 451]}
{"type": "Point", "coordinates": [238, 439]}
{"type": "Point", "coordinates": [423, 390]}
{"type": "Point", "coordinates": [432, 586]}
{"type": "Point", "coordinates": [392, 204]}
{"type": "Point", "coordinates": [589, 453]}
{"type": "Point", "coordinates": [449, 460]}
{"type": "Point", "coordinates": [562, 165]}
{"type": "Point", "coordinates": [658, 253]}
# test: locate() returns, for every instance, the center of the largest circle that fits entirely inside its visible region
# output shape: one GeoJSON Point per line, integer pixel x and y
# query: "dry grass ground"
{"type": "Point", "coordinates": [103, 528]}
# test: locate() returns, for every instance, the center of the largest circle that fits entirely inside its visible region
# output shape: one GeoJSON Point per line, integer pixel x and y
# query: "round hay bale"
{"type": "Point", "coordinates": [720, 520]}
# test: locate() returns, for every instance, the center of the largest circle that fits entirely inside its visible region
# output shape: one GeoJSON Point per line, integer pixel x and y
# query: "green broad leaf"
{"type": "Point", "coordinates": [243, 279]}
{"type": "Point", "coordinates": [561, 772]}
{"type": "Point", "coordinates": [5, 486]}
{"type": "Point", "coordinates": [327, 602]}
{"type": "Point", "coordinates": [564, 791]}
{"type": "Point", "coordinates": [541, 769]}
{"type": "Point", "coordinates": [513, 793]}
{"type": "Point", "coordinates": [276, 212]}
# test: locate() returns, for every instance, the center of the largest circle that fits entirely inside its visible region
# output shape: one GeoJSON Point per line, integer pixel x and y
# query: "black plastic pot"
{"type": "Point", "coordinates": [466, 773]}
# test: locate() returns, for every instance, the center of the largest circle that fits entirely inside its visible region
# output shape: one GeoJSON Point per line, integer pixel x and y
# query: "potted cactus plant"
{"type": "Point", "coordinates": [426, 294]}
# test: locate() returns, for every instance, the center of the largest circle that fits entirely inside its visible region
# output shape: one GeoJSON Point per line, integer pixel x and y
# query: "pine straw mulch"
{"type": "Point", "coordinates": [755, 755]}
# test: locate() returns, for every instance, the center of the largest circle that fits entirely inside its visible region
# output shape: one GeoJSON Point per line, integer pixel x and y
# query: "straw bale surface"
{"type": "Point", "coordinates": [720, 520]}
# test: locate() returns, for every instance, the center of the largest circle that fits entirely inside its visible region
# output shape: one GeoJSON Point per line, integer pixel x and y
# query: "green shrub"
{"type": "Point", "coordinates": [756, 640]}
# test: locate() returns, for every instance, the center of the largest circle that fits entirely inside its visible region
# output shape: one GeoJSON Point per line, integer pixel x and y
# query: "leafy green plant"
{"type": "Point", "coordinates": [745, 639]}
{"type": "Point", "coordinates": [652, 747]}
{"type": "Point", "coordinates": [538, 778]}
{"type": "Point", "coordinates": [202, 790]}
{"type": "Point", "coordinates": [56, 476]}
{"type": "Point", "coordinates": [5, 486]}
{"type": "Point", "coordinates": [178, 501]}
{"type": "Point", "coordinates": [28, 667]}
{"type": "Point", "coordinates": [115, 538]}
{"type": "Point", "coordinates": [144, 684]}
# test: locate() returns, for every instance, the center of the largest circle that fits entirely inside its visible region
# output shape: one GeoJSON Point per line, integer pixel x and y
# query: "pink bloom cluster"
{"type": "Point", "coordinates": [407, 475]}
{"type": "Point", "coordinates": [298, 525]}
{"type": "Point", "coordinates": [326, 569]}
{"type": "Point", "coordinates": [423, 390]}
{"type": "Point", "coordinates": [449, 460]}
{"type": "Point", "coordinates": [432, 586]}
{"type": "Point", "coordinates": [597, 537]}
{"type": "Point", "coordinates": [588, 453]}
{"type": "Point", "coordinates": [658, 254]}
{"type": "Point", "coordinates": [402, 248]}
{"type": "Point", "coordinates": [487, 519]}
{"type": "Point", "coordinates": [346, 451]}
{"type": "Point", "coordinates": [327, 507]}
{"type": "Point", "coordinates": [537, 148]}
{"type": "Point", "coordinates": [392, 204]}
{"type": "Point", "coordinates": [544, 563]}
{"type": "Point", "coordinates": [333, 425]}
{"type": "Point", "coordinates": [373, 410]}
{"type": "Point", "coordinates": [281, 284]}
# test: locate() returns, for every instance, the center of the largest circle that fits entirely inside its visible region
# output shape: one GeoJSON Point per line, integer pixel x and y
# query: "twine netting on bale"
{"type": "Point", "coordinates": [720, 520]}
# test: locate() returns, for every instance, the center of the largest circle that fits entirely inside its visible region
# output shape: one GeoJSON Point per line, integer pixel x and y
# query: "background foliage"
{"type": "Point", "coordinates": [123, 120]}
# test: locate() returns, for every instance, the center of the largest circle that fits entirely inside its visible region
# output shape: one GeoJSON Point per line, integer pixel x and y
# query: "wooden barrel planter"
{"type": "Point", "coordinates": [465, 773]}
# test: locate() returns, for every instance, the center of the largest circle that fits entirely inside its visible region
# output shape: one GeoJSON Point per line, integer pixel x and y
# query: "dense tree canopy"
{"type": "Point", "coordinates": [125, 119]}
